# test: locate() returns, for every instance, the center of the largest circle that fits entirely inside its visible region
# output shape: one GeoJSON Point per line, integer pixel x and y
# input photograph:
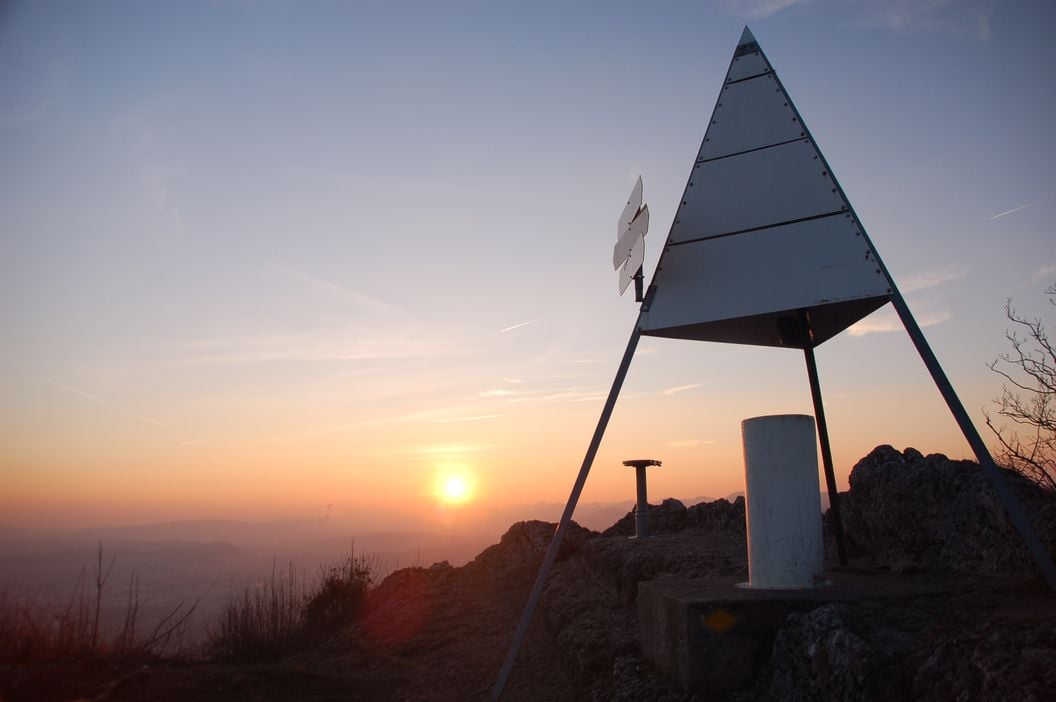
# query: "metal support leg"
{"type": "Point", "coordinates": [982, 454]}
{"type": "Point", "coordinates": [826, 454]}
{"type": "Point", "coordinates": [566, 517]}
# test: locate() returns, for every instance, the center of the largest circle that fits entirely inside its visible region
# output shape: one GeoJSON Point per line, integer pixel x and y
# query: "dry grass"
{"type": "Point", "coordinates": [283, 614]}
{"type": "Point", "coordinates": [33, 630]}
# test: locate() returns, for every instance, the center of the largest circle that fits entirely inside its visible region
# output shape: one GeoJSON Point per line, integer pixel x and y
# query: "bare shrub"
{"type": "Point", "coordinates": [285, 613]}
{"type": "Point", "coordinates": [32, 630]}
{"type": "Point", "coordinates": [1028, 399]}
{"type": "Point", "coordinates": [262, 622]}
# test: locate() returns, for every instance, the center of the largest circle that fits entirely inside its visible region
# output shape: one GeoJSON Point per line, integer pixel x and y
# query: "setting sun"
{"type": "Point", "coordinates": [454, 488]}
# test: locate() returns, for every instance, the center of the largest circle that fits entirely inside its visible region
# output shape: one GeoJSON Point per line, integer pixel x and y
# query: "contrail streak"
{"type": "Point", "coordinates": [518, 326]}
{"type": "Point", "coordinates": [1015, 209]}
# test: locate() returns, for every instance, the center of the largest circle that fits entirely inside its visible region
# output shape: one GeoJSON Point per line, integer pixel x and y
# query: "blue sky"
{"type": "Point", "coordinates": [260, 257]}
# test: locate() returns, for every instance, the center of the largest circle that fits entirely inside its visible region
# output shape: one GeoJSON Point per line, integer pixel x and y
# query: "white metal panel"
{"type": "Point", "coordinates": [630, 209]}
{"type": "Point", "coordinates": [750, 64]}
{"type": "Point", "coordinates": [750, 115]}
{"type": "Point", "coordinates": [633, 263]}
{"type": "Point", "coordinates": [755, 189]}
{"type": "Point", "coordinates": [783, 268]}
{"type": "Point", "coordinates": [637, 229]}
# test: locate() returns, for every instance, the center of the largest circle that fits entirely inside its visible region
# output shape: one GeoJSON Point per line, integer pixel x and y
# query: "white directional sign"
{"type": "Point", "coordinates": [629, 252]}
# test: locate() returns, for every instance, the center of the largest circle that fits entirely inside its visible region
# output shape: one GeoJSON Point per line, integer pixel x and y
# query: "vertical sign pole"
{"type": "Point", "coordinates": [566, 517]}
{"type": "Point", "coordinates": [826, 452]}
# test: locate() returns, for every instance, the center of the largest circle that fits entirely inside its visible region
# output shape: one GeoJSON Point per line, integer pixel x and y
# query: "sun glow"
{"type": "Point", "coordinates": [454, 487]}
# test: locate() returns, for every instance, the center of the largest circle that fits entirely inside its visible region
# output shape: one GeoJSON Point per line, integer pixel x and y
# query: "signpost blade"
{"type": "Point", "coordinates": [635, 231]}
{"type": "Point", "coordinates": [634, 202]}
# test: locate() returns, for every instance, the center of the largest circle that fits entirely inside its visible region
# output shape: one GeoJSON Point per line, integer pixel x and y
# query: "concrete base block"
{"type": "Point", "coordinates": [712, 636]}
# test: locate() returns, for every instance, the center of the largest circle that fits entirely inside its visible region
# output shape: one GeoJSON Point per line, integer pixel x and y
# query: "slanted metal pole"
{"type": "Point", "coordinates": [826, 452]}
{"type": "Point", "coordinates": [566, 517]}
{"type": "Point", "coordinates": [971, 434]}
{"type": "Point", "coordinates": [1012, 507]}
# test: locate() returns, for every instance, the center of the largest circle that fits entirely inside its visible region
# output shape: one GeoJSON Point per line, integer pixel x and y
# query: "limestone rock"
{"type": "Point", "coordinates": [910, 512]}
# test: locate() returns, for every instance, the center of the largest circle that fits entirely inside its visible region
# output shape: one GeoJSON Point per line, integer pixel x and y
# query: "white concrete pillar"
{"type": "Point", "coordinates": [783, 501]}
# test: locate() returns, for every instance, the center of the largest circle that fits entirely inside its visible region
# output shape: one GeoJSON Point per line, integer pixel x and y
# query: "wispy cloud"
{"type": "Point", "coordinates": [933, 278]}
{"type": "Point", "coordinates": [570, 394]}
{"type": "Point", "coordinates": [682, 388]}
{"type": "Point", "coordinates": [497, 392]}
{"type": "Point", "coordinates": [356, 299]}
{"type": "Point", "coordinates": [757, 9]}
{"type": "Point", "coordinates": [105, 402]}
{"type": "Point", "coordinates": [206, 440]}
{"type": "Point", "coordinates": [1014, 209]}
{"type": "Point", "coordinates": [956, 17]}
{"type": "Point", "coordinates": [690, 443]}
{"type": "Point", "coordinates": [293, 348]}
{"type": "Point", "coordinates": [518, 326]}
{"type": "Point", "coordinates": [475, 418]}
{"type": "Point", "coordinates": [880, 322]}
{"type": "Point", "coordinates": [431, 450]}
{"type": "Point", "coordinates": [1043, 272]}
{"type": "Point", "coordinates": [137, 134]}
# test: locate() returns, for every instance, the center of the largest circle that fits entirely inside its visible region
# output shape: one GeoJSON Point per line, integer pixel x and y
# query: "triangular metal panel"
{"type": "Point", "coordinates": [762, 188]}
{"type": "Point", "coordinates": [700, 284]}
{"type": "Point", "coordinates": [751, 114]}
{"type": "Point", "coordinates": [748, 60]}
{"type": "Point", "coordinates": [764, 230]}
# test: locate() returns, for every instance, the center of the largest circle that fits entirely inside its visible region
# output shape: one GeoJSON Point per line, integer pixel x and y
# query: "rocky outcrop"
{"type": "Point", "coordinates": [671, 517]}
{"type": "Point", "coordinates": [820, 655]}
{"type": "Point", "coordinates": [441, 632]}
{"type": "Point", "coordinates": [910, 512]}
{"type": "Point", "coordinates": [524, 546]}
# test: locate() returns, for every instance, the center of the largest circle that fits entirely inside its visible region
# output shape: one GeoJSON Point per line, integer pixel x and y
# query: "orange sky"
{"type": "Point", "coordinates": [253, 267]}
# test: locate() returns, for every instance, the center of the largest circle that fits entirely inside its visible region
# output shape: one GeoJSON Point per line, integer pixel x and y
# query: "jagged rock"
{"type": "Point", "coordinates": [818, 656]}
{"type": "Point", "coordinates": [1006, 662]}
{"type": "Point", "coordinates": [524, 545]}
{"type": "Point", "coordinates": [911, 512]}
{"type": "Point", "coordinates": [671, 516]}
{"type": "Point", "coordinates": [721, 516]}
{"type": "Point", "coordinates": [634, 680]}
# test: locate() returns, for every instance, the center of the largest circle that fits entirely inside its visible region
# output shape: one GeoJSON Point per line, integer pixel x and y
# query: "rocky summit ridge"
{"type": "Point", "coordinates": [988, 631]}
{"type": "Point", "coordinates": [983, 626]}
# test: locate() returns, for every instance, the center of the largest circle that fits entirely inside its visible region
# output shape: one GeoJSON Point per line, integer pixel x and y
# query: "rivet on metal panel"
{"type": "Point", "coordinates": [691, 184]}
{"type": "Point", "coordinates": [794, 119]}
{"type": "Point", "coordinates": [834, 190]}
{"type": "Point", "coordinates": [802, 134]}
{"type": "Point", "coordinates": [714, 122]}
{"type": "Point", "coordinates": [824, 173]}
{"type": "Point", "coordinates": [877, 270]}
{"type": "Point", "coordinates": [683, 202]}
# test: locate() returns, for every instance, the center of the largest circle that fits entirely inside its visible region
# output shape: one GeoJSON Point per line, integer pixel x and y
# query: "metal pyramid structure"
{"type": "Point", "coordinates": [766, 250]}
{"type": "Point", "coordinates": [764, 231]}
